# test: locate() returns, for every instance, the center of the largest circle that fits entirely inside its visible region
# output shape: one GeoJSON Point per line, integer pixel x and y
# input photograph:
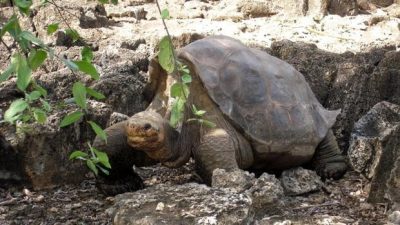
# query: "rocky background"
{"type": "Point", "coordinates": [346, 49]}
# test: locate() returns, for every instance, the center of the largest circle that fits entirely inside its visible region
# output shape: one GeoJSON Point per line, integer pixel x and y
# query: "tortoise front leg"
{"type": "Point", "coordinates": [327, 160]}
{"type": "Point", "coordinates": [216, 150]}
{"type": "Point", "coordinates": [122, 157]}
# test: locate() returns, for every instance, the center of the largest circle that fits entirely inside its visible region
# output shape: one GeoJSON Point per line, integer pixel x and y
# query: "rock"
{"type": "Point", "coordinates": [93, 17]}
{"type": "Point", "coordinates": [10, 171]}
{"type": "Point", "coordinates": [42, 151]}
{"type": "Point", "coordinates": [374, 150]}
{"type": "Point", "coordinates": [266, 192]}
{"type": "Point", "coordinates": [394, 218]}
{"type": "Point", "coordinates": [184, 204]}
{"type": "Point", "coordinates": [343, 7]}
{"type": "Point", "coordinates": [317, 8]}
{"type": "Point", "coordinates": [116, 118]}
{"type": "Point", "coordinates": [298, 181]}
{"type": "Point", "coordinates": [237, 180]}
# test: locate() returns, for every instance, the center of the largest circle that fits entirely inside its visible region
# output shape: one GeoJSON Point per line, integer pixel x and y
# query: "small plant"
{"type": "Point", "coordinates": [30, 54]}
{"type": "Point", "coordinates": [96, 161]}
{"type": "Point", "coordinates": [180, 90]}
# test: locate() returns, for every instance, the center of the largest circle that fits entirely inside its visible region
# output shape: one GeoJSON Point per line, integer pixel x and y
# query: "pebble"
{"type": "Point", "coordinates": [160, 206]}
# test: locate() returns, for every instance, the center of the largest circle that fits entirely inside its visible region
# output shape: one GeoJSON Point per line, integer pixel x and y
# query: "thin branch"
{"type": "Point", "coordinates": [53, 3]}
{"type": "Point", "coordinates": [7, 47]}
{"type": "Point", "coordinates": [173, 50]}
{"type": "Point", "coordinates": [61, 15]}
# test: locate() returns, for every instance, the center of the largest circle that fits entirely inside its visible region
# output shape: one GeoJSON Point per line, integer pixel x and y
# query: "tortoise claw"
{"type": "Point", "coordinates": [334, 170]}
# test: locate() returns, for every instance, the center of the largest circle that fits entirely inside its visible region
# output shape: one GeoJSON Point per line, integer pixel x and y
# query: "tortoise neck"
{"type": "Point", "coordinates": [175, 148]}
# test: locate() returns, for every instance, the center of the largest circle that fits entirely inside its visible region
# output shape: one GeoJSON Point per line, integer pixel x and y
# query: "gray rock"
{"type": "Point", "coordinates": [374, 150]}
{"type": "Point", "coordinates": [93, 16]}
{"type": "Point", "coordinates": [266, 190]}
{"type": "Point", "coordinates": [236, 180]}
{"type": "Point", "coordinates": [185, 204]}
{"type": "Point", "coordinates": [116, 118]}
{"type": "Point", "coordinates": [299, 181]}
{"type": "Point", "coordinates": [343, 7]}
{"type": "Point", "coordinates": [394, 218]}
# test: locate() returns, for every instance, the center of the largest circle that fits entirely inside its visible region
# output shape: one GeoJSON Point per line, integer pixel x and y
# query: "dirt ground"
{"type": "Point", "coordinates": [339, 202]}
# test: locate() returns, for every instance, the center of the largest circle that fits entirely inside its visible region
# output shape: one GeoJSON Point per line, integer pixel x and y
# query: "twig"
{"type": "Point", "coordinates": [172, 47]}
{"type": "Point", "coordinates": [70, 13]}
{"type": "Point", "coordinates": [61, 15]}
{"type": "Point", "coordinates": [316, 206]}
{"type": "Point", "coordinates": [7, 47]}
{"type": "Point", "coordinates": [8, 202]}
{"type": "Point", "coordinates": [328, 35]}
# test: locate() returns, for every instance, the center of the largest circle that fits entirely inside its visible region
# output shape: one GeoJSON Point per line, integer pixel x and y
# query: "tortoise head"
{"type": "Point", "coordinates": [146, 131]}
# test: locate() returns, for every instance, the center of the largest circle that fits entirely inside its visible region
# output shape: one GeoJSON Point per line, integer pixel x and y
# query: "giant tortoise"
{"type": "Point", "coordinates": [267, 118]}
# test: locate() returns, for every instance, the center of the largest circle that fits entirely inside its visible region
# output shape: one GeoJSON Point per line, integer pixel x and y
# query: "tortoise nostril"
{"type": "Point", "coordinates": [147, 126]}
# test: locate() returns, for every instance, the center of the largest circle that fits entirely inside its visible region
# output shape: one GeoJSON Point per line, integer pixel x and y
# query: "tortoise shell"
{"type": "Point", "coordinates": [265, 98]}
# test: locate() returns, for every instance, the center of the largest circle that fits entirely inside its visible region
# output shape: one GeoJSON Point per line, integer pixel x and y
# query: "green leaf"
{"type": "Point", "coordinates": [165, 14]}
{"type": "Point", "coordinates": [25, 118]}
{"type": "Point", "coordinates": [12, 27]}
{"type": "Point", "coordinates": [45, 105]}
{"type": "Point", "coordinates": [95, 94]}
{"type": "Point", "coordinates": [40, 89]}
{"type": "Point", "coordinates": [71, 65]}
{"type": "Point", "coordinates": [23, 72]}
{"type": "Point", "coordinates": [200, 113]}
{"type": "Point", "coordinates": [177, 112]}
{"type": "Point", "coordinates": [16, 107]}
{"type": "Point", "coordinates": [71, 118]}
{"type": "Point", "coordinates": [207, 123]}
{"type": "Point", "coordinates": [8, 72]}
{"type": "Point", "coordinates": [36, 58]}
{"type": "Point", "coordinates": [39, 115]}
{"type": "Point", "coordinates": [51, 28]}
{"type": "Point", "coordinates": [184, 69]}
{"type": "Point", "coordinates": [78, 154]}
{"type": "Point", "coordinates": [23, 5]}
{"type": "Point", "coordinates": [87, 54]}
{"type": "Point", "coordinates": [105, 171]}
{"type": "Point", "coordinates": [186, 78]}
{"type": "Point", "coordinates": [114, 2]}
{"type": "Point", "coordinates": [102, 157]}
{"type": "Point", "coordinates": [166, 55]}
{"type": "Point", "coordinates": [34, 95]}
{"type": "Point", "coordinates": [87, 68]}
{"type": "Point", "coordinates": [98, 130]}
{"type": "Point", "coordinates": [30, 37]}
{"type": "Point", "coordinates": [92, 166]}
{"type": "Point", "coordinates": [179, 90]}
{"type": "Point", "coordinates": [79, 93]}
{"type": "Point", "coordinates": [73, 34]}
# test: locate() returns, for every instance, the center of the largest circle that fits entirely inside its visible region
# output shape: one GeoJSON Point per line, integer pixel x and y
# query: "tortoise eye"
{"type": "Point", "coordinates": [146, 126]}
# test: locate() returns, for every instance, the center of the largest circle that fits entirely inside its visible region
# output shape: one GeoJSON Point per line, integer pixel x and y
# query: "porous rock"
{"type": "Point", "coordinates": [266, 191]}
{"type": "Point", "coordinates": [236, 180]}
{"type": "Point", "coordinates": [184, 204]}
{"type": "Point", "coordinates": [116, 118]}
{"type": "Point", "coordinates": [42, 151]}
{"type": "Point", "coordinates": [299, 181]}
{"type": "Point", "coordinates": [374, 150]}
{"type": "Point", "coordinates": [394, 218]}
